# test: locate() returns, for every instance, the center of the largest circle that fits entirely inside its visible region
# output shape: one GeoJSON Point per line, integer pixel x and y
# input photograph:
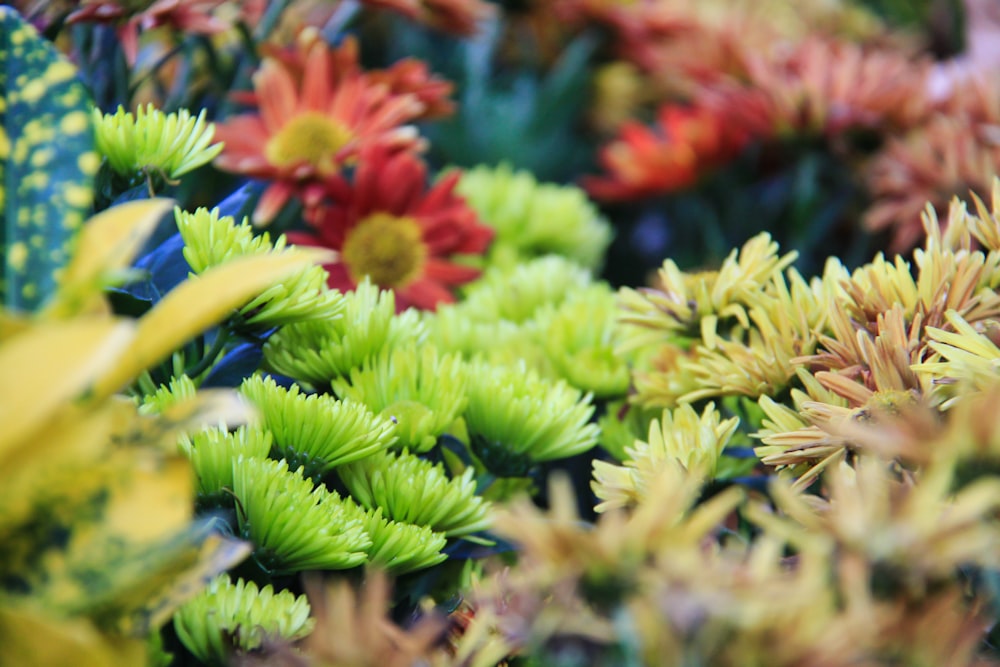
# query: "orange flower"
{"type": "Point", "coordinates": [386, 225]}
{"type": "Point", "coordinates": [189, 16]}
{"type": "Point", "coordinates": [313, 120]}
{"type": "Point", "coordinates": [673, 155]}
{"type": "Point", "coordinates": [408, 76]}
{"type": "Point", "coordinates": [455, 16]}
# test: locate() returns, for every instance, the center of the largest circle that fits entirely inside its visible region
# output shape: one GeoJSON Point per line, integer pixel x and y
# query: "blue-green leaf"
{"type": "Point", "coordinates": [47, 161]}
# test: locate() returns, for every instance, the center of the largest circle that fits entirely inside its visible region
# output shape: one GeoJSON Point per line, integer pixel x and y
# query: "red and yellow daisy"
{"type": "Point", "coordinates": [388, 226]}
{"type": "Point", "coordinates": [313, 120]}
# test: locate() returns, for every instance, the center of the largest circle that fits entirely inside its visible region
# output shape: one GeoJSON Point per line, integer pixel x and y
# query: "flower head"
{"type": "Point", "coordinates": [387, 226]}
{"type": "Point", "coordinates": [680, 438]}
{"type": "Point", "coordinates": [152, 143]}
{"type": "Point", "coordinates": [212, 453]}
{"type": "Point", "coordinates": [238, 616]}
{"type": "Point", "coordinates": [312, 121]}
{"type": "Point", "coordinates": [412, 490]}
{"type": "Point", "coordinates": [517, 418]}
{"type": "Point", "coordinates": [532, 218]}
{"type": "Point", "coordinates": [399, 547]}
{"type": "Point", "coordinates": [672, 155]}
{"type": "Point", "coordinates": [211, 240]}
{"type": "Point", "coordinates": [420, 390]}
{"type": "Point", "coordinates": [322, 350]}
{"type": "Point", "coordinates": [293, 525]}
{"type": "Point", "coordinates": [316, 432]}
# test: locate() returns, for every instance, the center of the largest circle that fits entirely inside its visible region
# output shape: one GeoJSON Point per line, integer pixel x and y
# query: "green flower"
{"type": "Point", "coordinates": [409, 489]}
{"type": "Point", "coordinates": [320, 351]}
{"type": "Point", "coordinates": [317, 432]}
{"type": "Point", "coordinates": [152, 142]}
{"type": "Point", "coordinates": [227, 617]}
{"type": "Point", "coordinates": [210, 240]}
{"type": "Point", "coordinates": [293, 525]}
{"type": "Point", "coordinates": [422, 391]}
{"type": "Point", "coordinates": [517, 418]}
{"type": "Point", "coordinates": [212, 453]}
{"type": "Point", "coordinates": [399, 548]}
{"type": "Point", "coordinates": [181, 388]}
{"type": "Point", "coordinates": [584, 355]}
{"type": "Point", "coordinates": [517, 295]}
{"type": "Point", "coordinates": [532, 218]}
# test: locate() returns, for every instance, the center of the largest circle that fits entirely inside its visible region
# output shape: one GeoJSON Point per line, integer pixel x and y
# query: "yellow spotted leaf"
{"type": "Point", "coordinates": [47, 162]}
{"type": "Point", "coordinates": [106, 245]}
{"type": "Point", "coordinates": [197, 304]}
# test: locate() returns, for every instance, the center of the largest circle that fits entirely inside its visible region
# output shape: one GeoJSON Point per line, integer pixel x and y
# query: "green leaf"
{"type": "Point", "coordinates": [47, 161]}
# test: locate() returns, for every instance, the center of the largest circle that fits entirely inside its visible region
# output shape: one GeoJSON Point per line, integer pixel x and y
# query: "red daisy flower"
{"type": "Point", "coordinates": [313, 120]}
{"type": "Point", "coordinates": [386, 225]}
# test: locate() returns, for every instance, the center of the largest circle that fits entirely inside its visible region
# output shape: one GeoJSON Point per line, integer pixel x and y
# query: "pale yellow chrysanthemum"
{"type": "Point", "coordinates": [153, 142]}
{"type": "Point", "coordinates": [679, 438]}
{"type": "Point", "coordinates": [968, 354]}
{"type": "Point", "coordinates": [689, 304]}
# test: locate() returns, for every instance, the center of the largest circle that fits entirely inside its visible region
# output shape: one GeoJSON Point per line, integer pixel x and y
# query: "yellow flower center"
{"type": "Point", "coordinates": [386, 248]}
{"type": "Point", "coordinates": [310, 138]}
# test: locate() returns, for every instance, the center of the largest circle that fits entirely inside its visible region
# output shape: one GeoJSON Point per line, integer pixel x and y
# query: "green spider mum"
{"type": "Point", "coordinates": [412, 490]}
{"type": "Point", "coordinates": [421, 390]}
{"type": "Point", "coordinates": [532, 218]}
{"type": "Point", "coordinates": [153, 142]}
{"type": "Point", "coordinates": [516, 418]}
{"type": "Point", "coordinates": [397, 547]}
{"type": "Point", "coordinates": [517, 295]}
{"type": "Point", "coordinates": [317, 432]}
{"type": "Point", "coordinates": [320, 351]}
{"type": "Point", "coordinates": [211, 240]}
{"type": "Point", "coordinates": [229, 617]}
{"type": "Point", "coordinates": [180, 388]}
{"type": "Point", "coordinates": [212, 453]}
{"type": "Point", "coordinates": [293, 525]}
{"type": "Point", "coordinates": [584, 356]}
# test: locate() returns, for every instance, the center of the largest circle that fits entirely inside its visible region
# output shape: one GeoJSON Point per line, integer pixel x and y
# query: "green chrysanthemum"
{"type": "Point", "coordinates": [230, 617]}
{"type": "Point", "coordinates": [317, 432]}
{"type": "Point", "coordinates": [153, 142]}
{"type": "Point", "coordinates": [180, 388]}
{"type": "Point", "coordinates": [212, 453]}
{"type": "Point", "coordinates": [412, 490]}
{"type": "Point", "coordinates": [516, 418]}
{"type": "Point", "coordinates": [399, 548]}
{"type": "Point", "coordinates": [681, 438]}
{"type": "Point", "coordinates": [421, 390]}
{"type": "Point", "coordinates": [293, 525]}
{"type": "Point", "coordinates": [321, 351]}
{"type": "Point", "coordinates": [532, 218]}
{"type": "Point", "coordinates": [211, 240]}
{"type": "Point", "coordinates": [518, 294]}
{"type": "Point", "coordinates": [584, 356]}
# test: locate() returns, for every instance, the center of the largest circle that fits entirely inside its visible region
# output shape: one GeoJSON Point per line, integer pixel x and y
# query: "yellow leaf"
{"type": "Point", "coordinates": [61, 462]}
{"type": "Point", "coordinates": [195, 305]}
{"type": "Point", "coordinates": [28, 637]}
{"type": "Point", "coordinates": [107, 243]}
{"type": "Point", "coordinates": [49, 364]}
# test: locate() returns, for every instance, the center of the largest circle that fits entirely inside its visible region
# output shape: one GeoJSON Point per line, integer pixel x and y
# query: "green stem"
{"type": "Point", "coordinates": [222, 338]}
